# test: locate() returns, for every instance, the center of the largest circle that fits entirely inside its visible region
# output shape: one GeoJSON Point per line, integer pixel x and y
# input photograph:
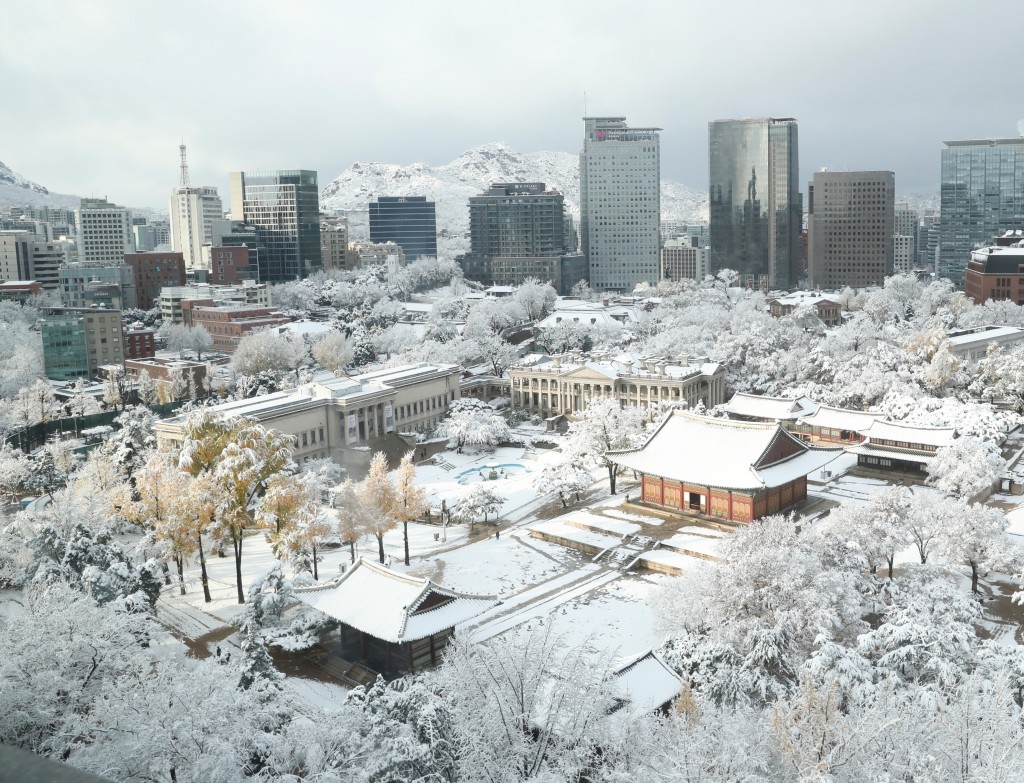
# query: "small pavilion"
{"type": "Point", "coordinates": [390, 623]}
{"type": "Point", "coordinates": [730, 470]}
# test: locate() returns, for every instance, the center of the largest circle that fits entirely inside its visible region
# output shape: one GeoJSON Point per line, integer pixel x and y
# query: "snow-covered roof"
{"type": "Point", "coordinates": [911, 433]}
{"type": "Point", "coordinates": [646, 682]}
{"type": "Point", "coordinates": [391, 606]}
{"type": "Point", "coordinates": [760, 407]}
{"type": "Point", "coordinates": [980, 337]}
{"type": "Point", "coordinates": [722, 453]}
{"type": "Point", "coordinates": [840, 419]}
{"type": "Point", "coordinates": [621, 365]}
{"type": "Point", "coordinates": [803, 297]}
{"type": "Point", "coordinates": [868, 450]}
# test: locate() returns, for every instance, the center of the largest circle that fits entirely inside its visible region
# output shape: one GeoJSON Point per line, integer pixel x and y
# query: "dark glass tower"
{"type": "Point", "coordinates": [284, 208]}
{"type": "Point", "coordinates": [755, 204]}
{"type": "Point", "coordinates": [982, 196]}
{"type": "Point", "coordinates": [408, 221]}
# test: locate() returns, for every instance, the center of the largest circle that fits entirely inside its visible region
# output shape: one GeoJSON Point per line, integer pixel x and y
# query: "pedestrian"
{"type": "Point", "coordinates": [497, 533]}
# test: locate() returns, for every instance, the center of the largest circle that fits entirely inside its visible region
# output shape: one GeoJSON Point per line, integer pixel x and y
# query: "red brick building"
{"type": "Point", "coordinates": [139, 342]}
{"type": "Point", "coordinates": [227, 324]}
{"type": "Point", "coordinates": [152, 271]}
{"type": "Point", "coordinates": [997, 272]}
{"type": "Point", "coordinates": [730, 470]}
{"type": "Point", "coordinates": [226, 265]}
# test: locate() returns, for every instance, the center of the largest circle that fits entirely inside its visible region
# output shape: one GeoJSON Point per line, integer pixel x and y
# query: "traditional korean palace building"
{"type": "Point", "coordinates": [835, 425]}
{"type": "Point", "coordinates": [561, 384]}
{"type": "Point", "coordinates": [390, 623]}
{"type": "Point", "coordinates": [890, 445]}
{"type": "Point", "coordinates": [756, 407]}
{"type": "Point", "coordinates": [724, 469]}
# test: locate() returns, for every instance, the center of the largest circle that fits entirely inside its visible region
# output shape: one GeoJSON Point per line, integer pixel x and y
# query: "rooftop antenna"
{"type": "Point", "coordinates": [184, 166]}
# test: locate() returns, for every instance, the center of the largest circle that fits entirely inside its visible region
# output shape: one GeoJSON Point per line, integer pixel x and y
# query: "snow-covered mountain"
{"type": "Point", "coordinates": [451, 185]}
{"type": "Point", "coordinates": [17, 190]}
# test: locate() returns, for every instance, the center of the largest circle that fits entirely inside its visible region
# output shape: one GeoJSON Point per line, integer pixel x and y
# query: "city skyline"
{"type": "Point", "coordinates": [856, 110]}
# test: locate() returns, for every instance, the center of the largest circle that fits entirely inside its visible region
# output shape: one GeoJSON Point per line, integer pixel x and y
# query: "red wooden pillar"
{"type": "Point", "coordinates": [661, 492]}
{"type": "Point", "coordinates": [730, 506]}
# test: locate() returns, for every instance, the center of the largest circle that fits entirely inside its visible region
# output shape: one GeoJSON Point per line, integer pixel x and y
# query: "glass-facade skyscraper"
{"type": "Point", "coordinates": [620, 203]}
{"type": "Point", "coordinates": [408, 221]}
{"type": "Point", "coordinates": [284, 208]}
{"type": "Point", "coordinates": [982, 196]}
{"type": "Point", "coordinates": [755, 204]}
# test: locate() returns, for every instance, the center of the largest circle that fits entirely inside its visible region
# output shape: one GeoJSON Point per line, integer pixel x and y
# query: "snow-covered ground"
{"type": "Point", "coordinates": [587, 600]}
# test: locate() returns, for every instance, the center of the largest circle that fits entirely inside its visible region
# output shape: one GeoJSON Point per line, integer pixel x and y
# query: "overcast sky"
{"type": "Point", "coordinates": [97, 95]}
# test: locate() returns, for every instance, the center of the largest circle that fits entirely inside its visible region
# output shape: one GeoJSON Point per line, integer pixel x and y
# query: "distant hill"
{"type": "Point", "coordinates": [451, 185]}
{"type": "Point", "coordinates": [17, 190]}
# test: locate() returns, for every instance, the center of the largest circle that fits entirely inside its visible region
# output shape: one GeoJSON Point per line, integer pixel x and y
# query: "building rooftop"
{"type": "Point", "coordinates": [723, 453]}
{"type": "Point", "coordinates": [840, 419]}
{"type": "Point", "coordinates": [778, 408]}
{"type": "Point", "coordinates": [391, 606]}
{"type": "Point", "coordinates": [982, 336]}
{"type": "Point", "coordinates": [911, 433]}
{"type": "Point", "coordinates": [624, 365]}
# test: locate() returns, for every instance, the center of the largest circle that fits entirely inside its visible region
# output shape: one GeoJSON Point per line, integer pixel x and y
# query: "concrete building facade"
{"type": "Point", "coordinates": [518, 230]}
{"type": "Point", "coordinates": [192, 211]}
{"type": "Point", "coordinates": [326, 419]}
{"type": "Point", "coordinates": [850, 228]}
{"type": "Point", "coordinates": [681, 259]}
{"type": "Point", "coordinates": [558, 385]}
{"type": "Point", "coordinates": [620, 203]}
{"type": "Point", "coordinates": [104, 232]}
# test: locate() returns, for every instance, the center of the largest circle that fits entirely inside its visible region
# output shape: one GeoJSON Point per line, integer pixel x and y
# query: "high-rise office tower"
{"type": "Point", "coordinates": [755, 203]}
{"type": "Point", "coordinates": [850, 228]}
{"type": "Point", "coordinates": [981, 196]}
{"type": "Point", "coordinates": [928, 231]}
{"type": "Point", "coordinates": [284, 208]}
{"type": "Point", "coordinates": [906, 223]}
{"type": "Point", "coordinates": [518, 230]}
{"type": "Point", "coordinates": [408, 221]}
{"type": "Point", "coordinates": [620, 203]}
{"type": "Point", "coordinates": [193, 210]}
{"type": "Point", "coordinates": [104, 232]}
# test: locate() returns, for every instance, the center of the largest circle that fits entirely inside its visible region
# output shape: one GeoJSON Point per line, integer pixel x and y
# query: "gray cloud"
{"type": "Point", "coordinates": [97, 95]}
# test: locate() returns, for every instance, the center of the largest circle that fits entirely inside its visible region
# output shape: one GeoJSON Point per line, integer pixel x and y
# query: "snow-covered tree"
{"type": "Point", "coordinates": [292, 513]}
{"type": "Point", "coordinates": [147, 390]}
{"type": "Point", "coordinates": [525, 709]}
{"type": "Point", "coordinates": [267, 351]}
{"type": "Point", "coordinates": [378, 495]}
{"type": "Point", "coordinates": [161, 488]}
{"type": "Point", "coordinates": [240, 456]}
{"type": "Point", "coordinates": [965, 467]}
{"type": "Point", "coordinates": [355, 518]}
{"type": "Point", "coordinates": [472, 422]}
{"type": "Point", "coordinates": [82, 403]}
{"type": "Point", "coordinates": [410, 498]}
{"type": "Point", "coordinates": [534, 298]}
{"type": "Point", "coordinates": [333, 352]}
{"type": "Point", "coordinates": [603, 426]}
{"type": "Point", "coordinates": [569, 477]}
{"type": "Point", "coordinates": [480, 501]}
{"type": "Point", "coordinates": [14, 470]}
{"type": "Point", "coordinates": [975, 536]}
{"type": "Point", "coordinates": [115, 388]}
{"type": "Point", "coordinates": [34, 404]}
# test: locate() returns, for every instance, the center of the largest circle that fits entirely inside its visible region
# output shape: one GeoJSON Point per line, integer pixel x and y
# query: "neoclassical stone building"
{"type": "Point", "coordinates": [552, 385]}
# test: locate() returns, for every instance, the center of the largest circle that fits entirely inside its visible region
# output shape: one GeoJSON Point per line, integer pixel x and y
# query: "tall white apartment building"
{"type": "Point", "coordinates": [192, 211]}
{"type": "Point", "coordinates": [104, 232]}
{"type": "Point", "coordinates": [620, 203]}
